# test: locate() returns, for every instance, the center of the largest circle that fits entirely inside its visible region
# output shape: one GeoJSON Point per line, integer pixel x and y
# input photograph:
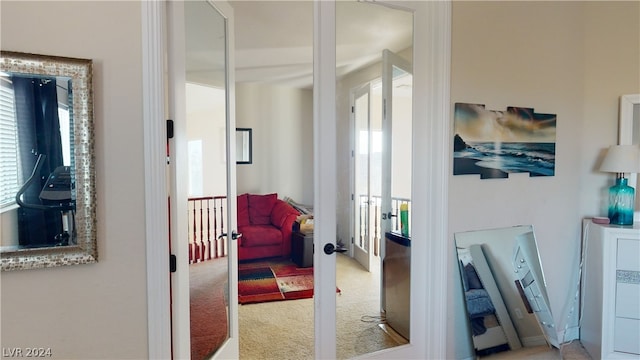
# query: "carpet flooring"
{"type": "Point", "coordinates": [208, 307]}
{"type": "Point", "coordinates": [285, 329]}
{"type": "Point", "coordinates": [273, 280]}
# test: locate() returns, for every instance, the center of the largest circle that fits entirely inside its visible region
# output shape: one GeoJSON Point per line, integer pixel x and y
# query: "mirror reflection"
{"type": "Point", "coordinates": [38, 181]}
{"type": "Point", "coordinates": [374, 111]}
{"type": "Point", "coordinates": [206, 129]}
{"type": "Point", "coordinates": [47, 210]}
{"type": "Point", "coordinates": [504, 290]}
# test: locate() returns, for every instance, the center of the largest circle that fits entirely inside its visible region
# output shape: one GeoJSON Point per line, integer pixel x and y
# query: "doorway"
{"type": "Point", "coordinates": [434, 134]}
{"type": "Point", "coordinates": [367, 169]}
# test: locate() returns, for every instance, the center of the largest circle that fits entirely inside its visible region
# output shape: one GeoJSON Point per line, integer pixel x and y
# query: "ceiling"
{"type": "Point", "coordinates": [274, 39]}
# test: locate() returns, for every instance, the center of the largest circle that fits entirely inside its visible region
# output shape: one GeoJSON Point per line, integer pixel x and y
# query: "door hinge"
{"type": "Point", "coordinates": [352, 241]}
{"type": "Point", "coordinates": [169, 129]}
{"type": "Point", "coordinates": [353, 109]}
{"type": "Point", "coordinates": [384, 108]}
{"type": "Point", "coordinates": [173, 263]}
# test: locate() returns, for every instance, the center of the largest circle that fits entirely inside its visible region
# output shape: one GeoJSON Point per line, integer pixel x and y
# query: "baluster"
{"type": "Point", "coordinates": [193, 242]}
{"type": "Point", "coordinates": [361, 241]}
{"type": "Point", "coordinates": [201, 238]}
{"type": "Point", "coordinates": [395, 211]}
{"type": "Point", "coordinates": [207, 241]}
{"type": "Point", "coordinates": [216, 241]}
{"type": "Point", "coordinates": [376, 229]}
{"type": "Point", "coordinates": [223, 241]}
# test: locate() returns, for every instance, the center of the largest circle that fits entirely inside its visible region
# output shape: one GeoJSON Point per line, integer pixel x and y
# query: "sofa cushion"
{"type": "Point", "coordinates": [260, 207]}
{"type": "Point", "coordinates": [243, 210]}
{"type": "Point", "coordinates": [280, 212]}
{"type": "Point", "coordinates": [260, 235]}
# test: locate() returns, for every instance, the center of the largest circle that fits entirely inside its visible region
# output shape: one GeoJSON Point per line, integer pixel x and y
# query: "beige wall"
{"type": "Point", "coordinates": [573, 59]}
{"type": "Point", "coordinates": [97, 310]}
{"type": "Point", "coordinates": [206, 122]}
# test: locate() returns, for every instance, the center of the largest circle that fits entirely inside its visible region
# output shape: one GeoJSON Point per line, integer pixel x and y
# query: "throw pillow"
{"type": "Point", "coordinates": [260, 207]}
{"type": "Point", "coordinates": [243, 210]}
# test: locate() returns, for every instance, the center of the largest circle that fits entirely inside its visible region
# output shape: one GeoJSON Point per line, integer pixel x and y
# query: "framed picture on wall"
{"type": "Point", "coordinates": [495, 143]}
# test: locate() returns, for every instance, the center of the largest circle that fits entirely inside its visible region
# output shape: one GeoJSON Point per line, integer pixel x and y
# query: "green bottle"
{"type": "Point", "coordinates": [404, 219]}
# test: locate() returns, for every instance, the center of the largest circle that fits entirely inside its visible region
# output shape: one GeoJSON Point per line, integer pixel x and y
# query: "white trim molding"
{"type": "Point", "coordinates": [156, 211]}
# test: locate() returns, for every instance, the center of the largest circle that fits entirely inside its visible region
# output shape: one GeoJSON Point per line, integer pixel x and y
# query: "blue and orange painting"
{"type": "Point", "coordinates": [495, 144]}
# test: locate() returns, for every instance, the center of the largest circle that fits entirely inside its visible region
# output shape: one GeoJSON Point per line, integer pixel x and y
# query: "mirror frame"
{"type": "Point", "coordinates": [625, 137]}
{"type": "Point", "coordinates": [239, 159]}
{"type": "Point", "coordinates": [81, 73]}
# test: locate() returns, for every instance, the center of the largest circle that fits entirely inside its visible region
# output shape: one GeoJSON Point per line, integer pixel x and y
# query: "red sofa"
{"type": "Point", "coordinates": [265, 223]}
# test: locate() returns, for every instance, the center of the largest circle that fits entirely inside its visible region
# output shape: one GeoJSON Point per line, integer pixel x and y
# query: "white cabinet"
{"type": "Point", "coordinates": [611, 292]}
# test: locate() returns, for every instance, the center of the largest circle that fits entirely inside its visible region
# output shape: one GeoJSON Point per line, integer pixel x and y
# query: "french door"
{"type": "Point", "coordinates": [397, 119]}
{"type": "Point", "coordinates": [366, 170]}
{"type": "Point", "coordinates": [200, 62]}
{"type": "Point", "coordinates": [381, 156]}
{"type": "Point", "coordinates": [431, 54]}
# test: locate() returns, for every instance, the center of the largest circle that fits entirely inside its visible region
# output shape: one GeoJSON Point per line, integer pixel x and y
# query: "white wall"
{"type": "Point", "coordinates": [206, 122]}
{"type": "Point", "coordinates": [573, 59]}
{"type": "Point", "coordinates": [96, 310]}
{"type": "Point", "coordinates": [282, 123]}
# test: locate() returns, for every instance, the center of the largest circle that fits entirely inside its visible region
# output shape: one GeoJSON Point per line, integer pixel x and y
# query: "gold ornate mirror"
{"type": "Point", "coordinates": [47, 201]}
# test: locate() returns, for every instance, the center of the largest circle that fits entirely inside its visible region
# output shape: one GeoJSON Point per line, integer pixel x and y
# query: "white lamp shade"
{"type": "Point", "coordinates": [622, 159]}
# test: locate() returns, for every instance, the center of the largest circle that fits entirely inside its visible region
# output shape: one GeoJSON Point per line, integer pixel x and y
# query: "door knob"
{"type": "Point", "coordinates": [388, 215]}
{"type": "Point", "coordinates": [329, 249]}
{"type": "Point", "coordinates": [234, 235]}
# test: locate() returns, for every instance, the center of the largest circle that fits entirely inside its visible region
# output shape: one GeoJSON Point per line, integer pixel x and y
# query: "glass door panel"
{"type": "Point", "coordinates": [362, 194]}
{"type": "Point", "coordinates": [361, 322]}
{"type": "Point", "coordinates": [201, 104]}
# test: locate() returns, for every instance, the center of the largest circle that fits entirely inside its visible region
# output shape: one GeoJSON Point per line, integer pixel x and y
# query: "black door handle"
{"type": "Point", "coordinates": [234, 235]}
{"type": "Point", "coordinates": [329, 249]}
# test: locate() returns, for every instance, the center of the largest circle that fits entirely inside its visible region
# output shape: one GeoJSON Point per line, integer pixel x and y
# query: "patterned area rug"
{"type": "Point", "coordinates": [273, 280]}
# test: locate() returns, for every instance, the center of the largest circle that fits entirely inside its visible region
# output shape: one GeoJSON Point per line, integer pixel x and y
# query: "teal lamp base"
{"type": "Point", "coordinates": [621, 199]}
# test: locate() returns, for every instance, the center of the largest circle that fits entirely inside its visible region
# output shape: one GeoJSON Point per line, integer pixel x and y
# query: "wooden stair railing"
{"type": "Point", "coordinates": [206, 216]}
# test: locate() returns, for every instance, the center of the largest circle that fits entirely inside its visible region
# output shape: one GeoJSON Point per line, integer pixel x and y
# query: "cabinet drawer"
{"type": "Point", "coordinates": [628, 255]}
{"type": "Point", "coordinates": [626, 334]}
{"type": "Point", "coordinates": [628, 300]}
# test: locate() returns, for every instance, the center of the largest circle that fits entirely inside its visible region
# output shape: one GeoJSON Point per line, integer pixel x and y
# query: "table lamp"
{"type": "Point", "coordinates": [621, 159]}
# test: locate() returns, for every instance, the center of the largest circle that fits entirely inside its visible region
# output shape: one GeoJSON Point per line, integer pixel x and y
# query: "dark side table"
{"type": "Point", "coordinates": [302, 249]}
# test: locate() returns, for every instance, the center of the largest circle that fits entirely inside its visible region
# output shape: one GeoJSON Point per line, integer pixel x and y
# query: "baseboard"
{"type": "Point", "coordinates": [533, 341]}
{"type": "Point", "coordinates": [393, 334]}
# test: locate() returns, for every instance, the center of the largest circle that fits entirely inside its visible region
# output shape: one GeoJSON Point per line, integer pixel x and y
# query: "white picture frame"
{"type": "Point", "coordinates": [630, 134]}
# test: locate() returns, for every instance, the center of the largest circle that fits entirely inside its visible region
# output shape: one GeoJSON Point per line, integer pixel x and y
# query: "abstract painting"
{"type": "Point", "coordinates": [494, 143]}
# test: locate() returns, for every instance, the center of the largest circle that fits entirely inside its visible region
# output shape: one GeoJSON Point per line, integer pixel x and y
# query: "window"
{"type": "Point", "coordinates": [9, 172]}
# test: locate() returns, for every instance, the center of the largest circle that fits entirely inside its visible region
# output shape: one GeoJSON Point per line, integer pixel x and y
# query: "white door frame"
{"type": "Point", "coordinates": [155, 167]}
{"type": "Point", "coordinates": [364, 258]}
{"type": "Point", "coordinates": [430, 252]}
